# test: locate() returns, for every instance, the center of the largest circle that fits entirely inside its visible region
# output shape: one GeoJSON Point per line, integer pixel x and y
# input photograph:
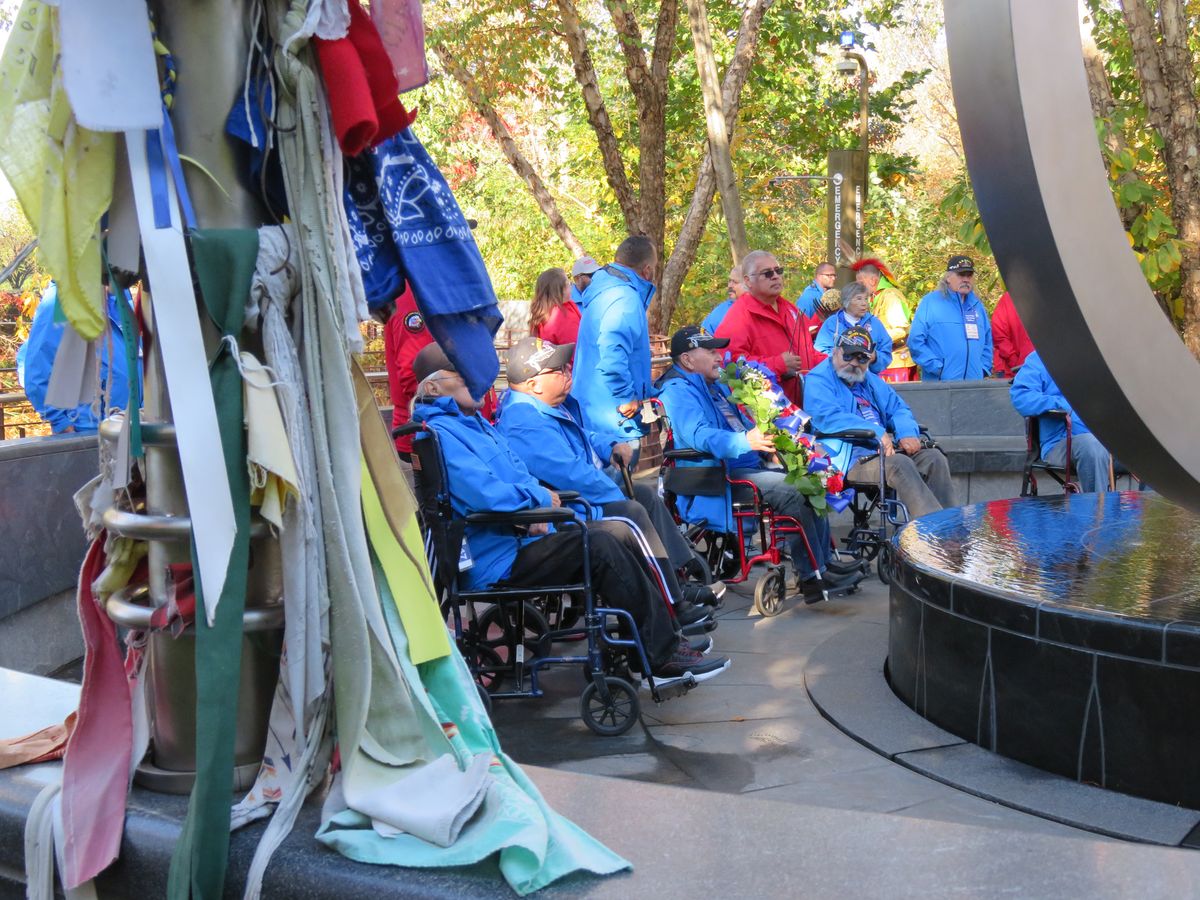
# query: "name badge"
{"type": "Point", "coordinates": [465, 560]}
{"type": "Point", "coordinates": [972, 331]}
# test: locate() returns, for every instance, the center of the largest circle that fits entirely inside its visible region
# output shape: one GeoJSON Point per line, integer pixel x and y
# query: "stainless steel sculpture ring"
{"type": "Point", "coordinates": [1039, 178]}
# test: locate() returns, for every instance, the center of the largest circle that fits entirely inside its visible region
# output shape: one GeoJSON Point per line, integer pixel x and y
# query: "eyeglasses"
{"type": "Point", "coordinates": [561, 370]}
{"type": "Point", "coordinates": [858, 358]}
{"type": "Point", "coordinates": [778, 270]}
{"type": "Point", "coordinates": [827, 274]}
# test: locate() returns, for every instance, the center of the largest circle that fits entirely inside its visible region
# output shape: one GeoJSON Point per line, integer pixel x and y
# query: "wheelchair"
{"type": "Point", "coordinates": [501, 643]}
{"type": "Point", "coordinates": [726, 553]}
{"type": "Point", "coordinates": [1034, 463]}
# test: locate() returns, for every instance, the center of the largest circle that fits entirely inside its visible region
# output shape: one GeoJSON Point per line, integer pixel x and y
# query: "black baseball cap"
{"type": "Point", "coordinates": [692, 337]}
{"type": "Point", "coordinates": [960, 264]}
{"type": "Point", "coordinates": [531, 355]}
{"type": "Point", "coordinates": [857, 338]}
{"type": "Point", "coordinates": [430, 359]}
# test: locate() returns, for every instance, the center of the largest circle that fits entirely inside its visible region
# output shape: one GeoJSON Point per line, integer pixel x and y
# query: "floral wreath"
{"type": "Point", "coordinates": [809, 470]}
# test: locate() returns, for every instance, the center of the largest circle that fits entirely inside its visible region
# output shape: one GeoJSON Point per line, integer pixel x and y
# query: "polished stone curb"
{"type": "Point", "coordinates": [845, 681]}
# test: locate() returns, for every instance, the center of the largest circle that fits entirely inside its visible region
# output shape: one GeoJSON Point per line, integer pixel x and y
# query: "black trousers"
{"type": "Point", "coordinates": [619, 578]}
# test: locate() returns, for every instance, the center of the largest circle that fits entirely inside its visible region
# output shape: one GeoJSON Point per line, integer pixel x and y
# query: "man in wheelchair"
{"type": "Point", "coordinates": [843, 394]}
{"type": "Point", "coordinates": [540, 416]}
{"type": "Point", "coordinates": [704, 418]}
{"type": "Point", "coordinates": [485, 475]}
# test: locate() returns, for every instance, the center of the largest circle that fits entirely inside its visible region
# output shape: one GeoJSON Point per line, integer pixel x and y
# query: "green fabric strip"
{"type": "Point", "coordinates": [224, 262]}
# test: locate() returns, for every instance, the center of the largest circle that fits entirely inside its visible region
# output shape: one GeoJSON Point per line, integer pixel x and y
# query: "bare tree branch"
{"type": "Point", "coordinates": [597, 113]}
{"type": "Point", "coordinates": [511, 151]}
{"type": "Point", "coordinates": [630, 36]}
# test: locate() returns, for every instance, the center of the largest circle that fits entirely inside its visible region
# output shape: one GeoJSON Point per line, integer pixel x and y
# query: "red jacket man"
{"type": "Point", "coordinates": [1010, 339]}
{"type": "Point", "coordinates": [404, 336]}
{"type": "Point", "coordinates": [764, 326]}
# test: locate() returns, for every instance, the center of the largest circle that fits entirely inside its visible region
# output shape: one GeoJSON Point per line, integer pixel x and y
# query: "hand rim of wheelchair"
{"type": "Point", "coordinates": [506, 622]}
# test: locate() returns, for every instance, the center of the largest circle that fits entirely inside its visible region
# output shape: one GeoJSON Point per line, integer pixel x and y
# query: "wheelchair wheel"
{"type": "Point", "coordinates": [487, 667]}
{"type": "Point", "coordinates": [485, 698]}
{"type": "Point", "coordinates": [612, 715]}
{"type": "Point", "coordinates": [769, 593]}
{"type": "Point", "coordinates": [497, 630]}
{"type": "Point", "coordinates": [883, 563]}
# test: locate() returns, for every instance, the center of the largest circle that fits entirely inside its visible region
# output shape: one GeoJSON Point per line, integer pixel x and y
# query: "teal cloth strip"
{"type": "Point", "coordinates": [224, 261]}
{"type": "Point", "coordinates": [129, 332]}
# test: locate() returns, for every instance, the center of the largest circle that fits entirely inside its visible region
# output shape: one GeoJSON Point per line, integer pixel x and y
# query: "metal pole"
{"type": "Point", "coordinates": [863, 100]}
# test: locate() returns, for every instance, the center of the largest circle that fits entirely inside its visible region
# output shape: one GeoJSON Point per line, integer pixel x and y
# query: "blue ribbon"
{"type": "Point", "coordinates": [818, 463]}
{"type": "Point", "coordinates": [161, 152]}
{"type": "Point", "coordinates": [839, 501]}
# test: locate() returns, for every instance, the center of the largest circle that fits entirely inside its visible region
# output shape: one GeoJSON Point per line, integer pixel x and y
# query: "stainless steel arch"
{"type": "Point", "coordinates": [1027, 127]}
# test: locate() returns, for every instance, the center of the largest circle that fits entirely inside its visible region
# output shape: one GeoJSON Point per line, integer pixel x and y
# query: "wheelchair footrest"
{"type": "Point", "coordinates": [668, 689]}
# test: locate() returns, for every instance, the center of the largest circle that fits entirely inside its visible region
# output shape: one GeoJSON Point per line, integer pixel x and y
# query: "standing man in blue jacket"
{"type": "Point", "coordinates": [1034, 393]}
{"type": "Point", "coordinates": [704, 417]}
{"type": "Point", "coordinates": [540, 416]}
{"type": "Point", "coordinates": [485, 475]}
{"type": "Point", "coordinates": [951, 336]}
{"type": "Point", "coordinates": [842, 394]}
{"type": "Point", "coordinates": [612, 355]}
{"type": "Point", "coordinates": [35, 360]}
{"type": "Point", "coordinates": [809, 300]}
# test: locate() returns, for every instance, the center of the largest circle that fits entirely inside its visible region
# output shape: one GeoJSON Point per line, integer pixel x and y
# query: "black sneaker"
{"type": "Point", "coordinates": [813, 590]}
{"type": "Point", "coordinates": [702, 645]}
{"type": "Point", "coordinates": [685, 661]}
{"type": "Point", "coordinates": [698, 628]}
{"type": "Point", "coordinates": [689, 613]}
{"type": "Point", "coordinates": [702, 595]}
{"type": "Point", "coordinates": [816, 590]}
{"type": "Point", "coordinates": [849, 567]}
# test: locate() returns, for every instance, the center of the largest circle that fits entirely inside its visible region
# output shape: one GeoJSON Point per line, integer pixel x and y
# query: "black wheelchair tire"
{"type": "Point", "coordinates": [617, 715]}
{"type": "Point", "coordinates": [770, 593]}
{"type": "Point", "coordinates": [536, 627]}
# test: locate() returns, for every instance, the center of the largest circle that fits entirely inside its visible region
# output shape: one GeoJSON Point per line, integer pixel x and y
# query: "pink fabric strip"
{"type": "Point", "coordinates": [400, 25]}
{"type": "Point", "coordinates": [96, 768]}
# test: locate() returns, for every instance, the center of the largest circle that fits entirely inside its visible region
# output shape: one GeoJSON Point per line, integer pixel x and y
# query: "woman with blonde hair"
{"type": "Point", "coordinates": [553, 315]}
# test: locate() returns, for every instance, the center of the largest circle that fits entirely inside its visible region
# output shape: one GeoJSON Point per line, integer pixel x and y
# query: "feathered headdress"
{"type": "Point", "coordinates": [877, 263]}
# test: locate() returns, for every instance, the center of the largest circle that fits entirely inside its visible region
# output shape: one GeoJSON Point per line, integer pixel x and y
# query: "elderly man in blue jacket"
{"type": "Point", "coordinates": [541, 417]}
{"type": "Point", "coordinates": [612, 355]}
{"type": "Point", "coordinates": [1034, 393]}
{"type": "Point", "coordinates": [703, 417]}
{"type": "Point", "coordinates": [842, 394]}
{"type": "Point", "coordinates": [485, 475]}
{"type": "Point", "coordinates": [951, 336]}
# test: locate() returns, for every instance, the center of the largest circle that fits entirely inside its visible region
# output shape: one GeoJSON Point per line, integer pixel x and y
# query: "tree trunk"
{"type": "Point", "coordinates": [597, 113]}
{"type": "Point", "coordinates": [688, 240]}
{"type": "Point", "coordinates": [1103, 104]}
{"type": "Point", "coordinates": [511, 151]}
{"type": "Point", "coordinates": [718, 132]}
{"type": "Point", "coordinates": [1166, 71]}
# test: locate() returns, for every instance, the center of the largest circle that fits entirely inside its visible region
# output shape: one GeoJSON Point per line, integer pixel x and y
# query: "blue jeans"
{"type": "Point", "coordinates": [787, 501]}
{"type": "Point", "coordinates": [1089, 460]}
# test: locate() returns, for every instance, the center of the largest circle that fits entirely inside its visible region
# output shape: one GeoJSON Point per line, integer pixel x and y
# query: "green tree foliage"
{"type": "Point", "coordinates": [793, 109]}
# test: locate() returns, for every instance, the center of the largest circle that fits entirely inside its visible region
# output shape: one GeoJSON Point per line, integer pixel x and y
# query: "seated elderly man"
{"type": "Point", "coordinates": [540, 416]}
{"type": "Point", "coordinates": [1034, 393]}
{"type": "Point", "coordinates": [703, 417]}
{"type": "Point", "coordinates": [843, 394]}
{"type": "Point", "coordinates": [485, 475]}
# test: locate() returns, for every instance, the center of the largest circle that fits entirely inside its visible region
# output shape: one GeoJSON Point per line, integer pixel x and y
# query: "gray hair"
{"type": "Point", "coordinates": [870, 270]}
{"type": "Point", "coordinates": [852, 292]}
{"type": "Point", "coordinates": [943, 286]}
{"type": "Point", "coordinates": [751, 260]}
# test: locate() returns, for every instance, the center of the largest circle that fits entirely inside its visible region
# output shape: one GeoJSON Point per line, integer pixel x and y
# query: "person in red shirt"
{"type": "Point", "coordinates": [553, 315]}
{"type": "Point", "coordinates": [1010, 339]}
{"type": "Point", "coordinates": [404, 336]}
{"type": "Point", "coordinates": [764, 326]}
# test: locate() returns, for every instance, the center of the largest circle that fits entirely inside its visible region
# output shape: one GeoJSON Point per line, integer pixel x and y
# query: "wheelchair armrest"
{"type": "Point", "coordinates": [407, 428]}
{"type": "Point", "coordinates": [523, 516]}
{"type": "Point", "coordinates": [687, 454]}
{"type": "Point", "coordinates": [1058, 413]}
{"type": "Point", "coordinates": [864, 435]}
{"type": "Point", "coordinates": [568, 496]}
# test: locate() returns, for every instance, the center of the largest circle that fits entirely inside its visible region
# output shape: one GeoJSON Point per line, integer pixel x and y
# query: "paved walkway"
{"type": "Point", "coordinates": [753, 730]}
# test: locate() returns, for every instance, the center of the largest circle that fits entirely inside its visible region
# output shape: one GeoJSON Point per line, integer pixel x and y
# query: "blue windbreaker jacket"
{"type": "Point", "coordinates": [833, 407]}
{"type": "Point", "coordinates": [717, 315]}
{"type": "Point", "coordinates": [698, 424]}
{"type": "Point", "coordinates": [807, 301]}
{"type": "Point", "coordinates": [35, 359]}
{"type": "Point", "coordinates": [557, 448]}
{"type": "Point", "coordinates": [485, 476]}
{"type": "Point", "coordinates": [1033, 393]}
{"type": "Point", "coordinates": [612, 351]}
{"type": "Point", "coordinates": [939, 342]}
{"type": "Point", "coordinates": [832, 328]}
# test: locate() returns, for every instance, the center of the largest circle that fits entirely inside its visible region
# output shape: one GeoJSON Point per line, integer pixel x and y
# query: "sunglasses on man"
{"type": "Point", "coordinates": [767, 273]}
{"type": "Point", "coordinates": [857, 357]}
